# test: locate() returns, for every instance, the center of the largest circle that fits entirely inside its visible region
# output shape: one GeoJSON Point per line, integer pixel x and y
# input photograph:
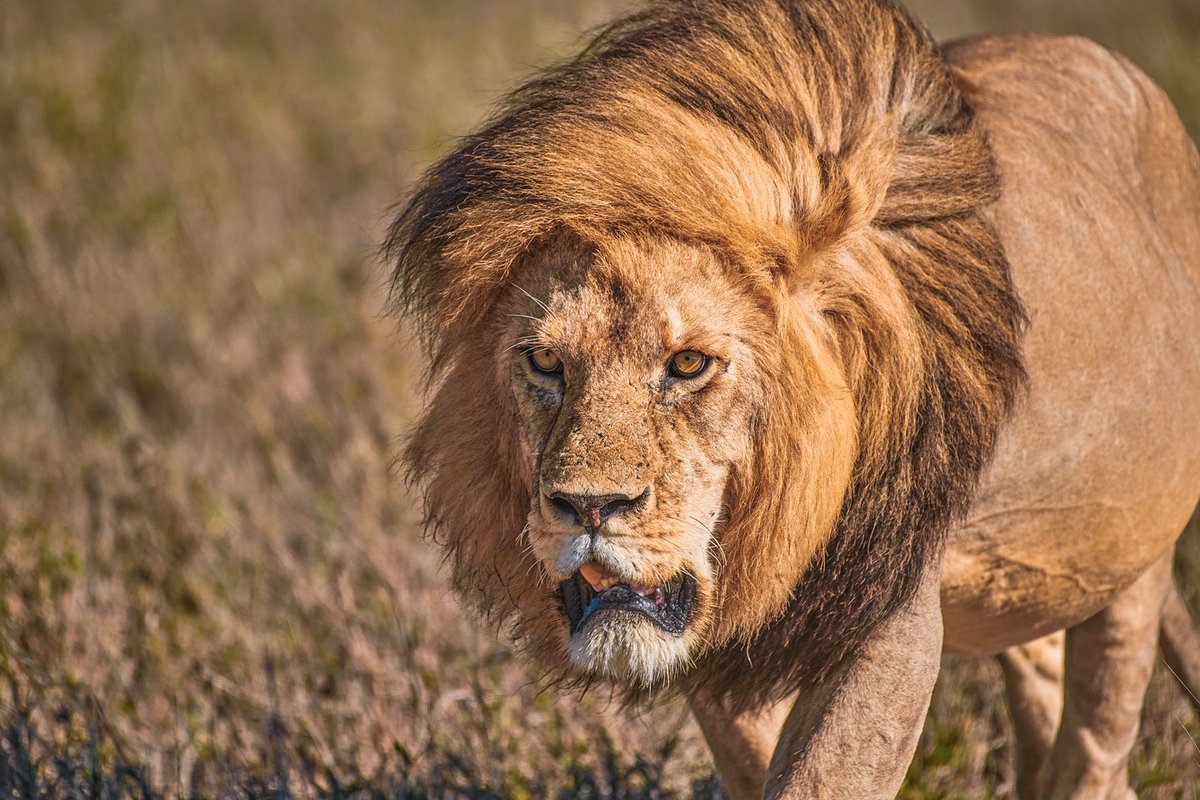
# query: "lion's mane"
{"type": "Point", "coordinates": [817, 146]}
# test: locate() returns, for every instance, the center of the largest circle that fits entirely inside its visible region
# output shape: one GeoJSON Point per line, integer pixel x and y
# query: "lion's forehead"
{"type": "Point", "coordinates": [638, 303]}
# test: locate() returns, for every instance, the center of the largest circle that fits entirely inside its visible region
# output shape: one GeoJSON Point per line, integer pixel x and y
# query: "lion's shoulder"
{"type": "Point", "coordinates": [1070, 85]}
{"type": "Point", "coordinates": [1092, 109]}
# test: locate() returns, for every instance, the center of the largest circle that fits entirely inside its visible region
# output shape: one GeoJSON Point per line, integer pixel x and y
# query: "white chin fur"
{"type": "Point", "coordinates": [628, 648]}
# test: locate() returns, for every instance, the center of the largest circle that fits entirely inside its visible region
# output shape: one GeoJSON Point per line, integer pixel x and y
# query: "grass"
{"type": "Point", "coordinates": [210, 582]}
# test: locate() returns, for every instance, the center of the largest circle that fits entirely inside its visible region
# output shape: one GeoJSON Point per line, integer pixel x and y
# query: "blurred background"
{"type": "Point", "coordinates": [210, 578]}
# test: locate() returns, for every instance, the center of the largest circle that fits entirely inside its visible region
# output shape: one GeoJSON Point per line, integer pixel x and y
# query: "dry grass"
{"type": "Point", "coordinates": [208, 576]}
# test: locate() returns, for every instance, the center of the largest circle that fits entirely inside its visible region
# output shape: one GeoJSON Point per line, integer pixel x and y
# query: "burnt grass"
{"type": "Point", "coordinates": [212, 583]}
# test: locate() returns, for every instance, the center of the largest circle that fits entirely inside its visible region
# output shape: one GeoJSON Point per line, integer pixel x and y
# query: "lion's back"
{"type": "Point", "coordinates": [1099, 469]}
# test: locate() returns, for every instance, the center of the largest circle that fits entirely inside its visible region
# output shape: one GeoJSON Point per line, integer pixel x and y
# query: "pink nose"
{"type": "Point", "coordinates": [591, 511]}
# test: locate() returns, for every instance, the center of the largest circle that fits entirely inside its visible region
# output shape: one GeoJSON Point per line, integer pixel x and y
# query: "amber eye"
{"type": "Point", "coordinates": [545, 360]}
{"type": "Point", "coordinates": [688, 364]}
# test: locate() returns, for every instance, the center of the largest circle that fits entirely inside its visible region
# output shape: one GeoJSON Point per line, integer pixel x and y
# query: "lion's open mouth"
{"type": "Point", "coordinates": [593, 589]}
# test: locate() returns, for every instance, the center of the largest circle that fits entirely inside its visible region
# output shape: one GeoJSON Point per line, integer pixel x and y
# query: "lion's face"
{"type": "Point", "coordinates": [637, 384]}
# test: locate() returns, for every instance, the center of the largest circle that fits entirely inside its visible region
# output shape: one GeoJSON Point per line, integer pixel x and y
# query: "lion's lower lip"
{"type": "Point", "coordinates": [666, 607]}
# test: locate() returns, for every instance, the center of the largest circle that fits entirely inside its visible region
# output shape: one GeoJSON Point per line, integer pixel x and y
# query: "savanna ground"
{"type": "Point", "coordinates": [210, 581]}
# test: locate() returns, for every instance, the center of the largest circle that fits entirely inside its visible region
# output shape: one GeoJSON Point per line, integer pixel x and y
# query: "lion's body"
{"type": "Point", "coordinates": [940, 320]}
{"type": "Point", "coordinates": [1098, 470]}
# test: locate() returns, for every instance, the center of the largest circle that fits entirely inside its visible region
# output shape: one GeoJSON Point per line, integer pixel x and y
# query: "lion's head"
{"type": "Point", "coordinates": [718, 340]}
{"type": "Point", "coordinates": [650, 389]}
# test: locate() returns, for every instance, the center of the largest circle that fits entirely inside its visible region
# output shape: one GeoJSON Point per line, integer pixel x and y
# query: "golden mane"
{"type": "Point", "coordinates": [817, 147]}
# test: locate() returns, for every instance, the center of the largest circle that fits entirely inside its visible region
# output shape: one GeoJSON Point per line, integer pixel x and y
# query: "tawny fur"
{"type": "Point", "coordinates": [813, 149]}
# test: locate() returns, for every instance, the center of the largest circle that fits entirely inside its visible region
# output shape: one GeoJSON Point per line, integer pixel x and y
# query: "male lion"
{"type": "Point", "coordinates": [776, 350]}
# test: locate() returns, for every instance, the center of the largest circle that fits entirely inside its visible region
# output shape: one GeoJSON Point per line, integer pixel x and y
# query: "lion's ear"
{"type": "Point", "coordinates": [940, 175]}
{"type": "Point", "coordinates": [870, 170]}
{"type": "Point", "coordinates": [885, 179]}
{"type": "Point", "coordinates": [837, 195]}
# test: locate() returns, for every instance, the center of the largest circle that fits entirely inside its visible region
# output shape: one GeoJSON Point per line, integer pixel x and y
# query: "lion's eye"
{"type": "Point", "coordinates": [545, 360]}
{"type": "Point", "coordinates": [688, 364]}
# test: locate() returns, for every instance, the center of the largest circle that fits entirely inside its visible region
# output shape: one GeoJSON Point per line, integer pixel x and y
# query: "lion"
{"type": "Point", "coordinates": [774, 350]}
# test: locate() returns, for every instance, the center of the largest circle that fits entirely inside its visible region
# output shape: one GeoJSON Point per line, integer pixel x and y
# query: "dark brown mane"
{"type": "Point", "coordinates": [818, 145]}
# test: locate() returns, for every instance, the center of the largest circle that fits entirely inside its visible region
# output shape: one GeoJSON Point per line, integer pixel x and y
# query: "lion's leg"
{"type": "Point", "coordinates": [741, 743]}
{"type": "Point", "coordinates": [853, 737]}
{"type": "Point", "coordinates": [1033, 680]}
{"type": "Point", "coordinates": [1108, 664]}
{"type": "Point", "coordinates": [1181, 645]}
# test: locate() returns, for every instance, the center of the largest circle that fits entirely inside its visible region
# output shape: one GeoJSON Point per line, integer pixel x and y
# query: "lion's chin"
{"type": "Point", "coordinates": [628, 648]}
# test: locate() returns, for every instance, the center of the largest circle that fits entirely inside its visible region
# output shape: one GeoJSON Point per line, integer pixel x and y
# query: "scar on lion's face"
{"type": "Point", "coordinates": [633, 375]}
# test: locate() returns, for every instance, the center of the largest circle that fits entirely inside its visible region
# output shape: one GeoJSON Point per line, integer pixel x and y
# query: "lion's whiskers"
{"type": "Point", "coordinates": [713, 542]}
{"type": "Point", "coordinates": [527, 550]}
{"type": "Point", "coordinates": [523, 342]}
{"type": "Point", "coordinates": [542, 305]}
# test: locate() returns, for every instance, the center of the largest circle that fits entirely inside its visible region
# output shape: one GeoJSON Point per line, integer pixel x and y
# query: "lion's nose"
{"type": "Point", "coordinates": [591, 510]}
